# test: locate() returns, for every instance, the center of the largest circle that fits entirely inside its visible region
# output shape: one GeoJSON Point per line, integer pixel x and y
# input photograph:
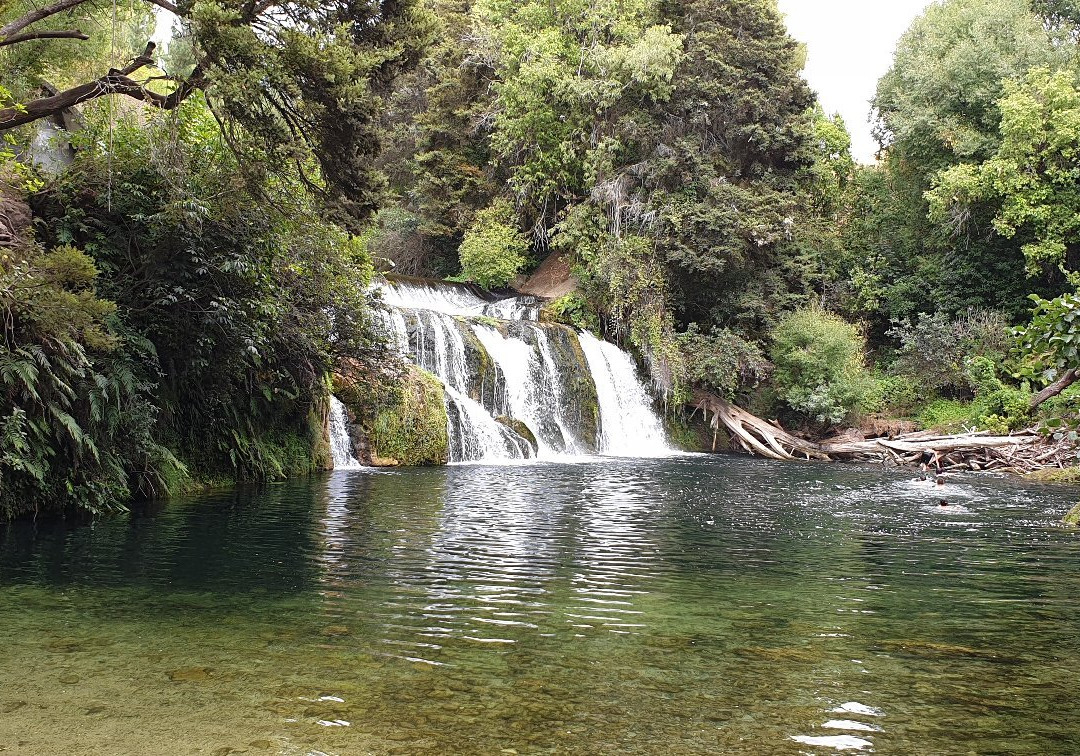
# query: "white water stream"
{"type": "Point", "coordinates": [578, 396]}
{"type": "Point", "coordinates": [340, 445]}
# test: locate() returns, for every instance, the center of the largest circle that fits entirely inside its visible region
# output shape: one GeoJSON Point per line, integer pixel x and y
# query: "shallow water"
{"type": "Point", "coordinates": [680, 606]}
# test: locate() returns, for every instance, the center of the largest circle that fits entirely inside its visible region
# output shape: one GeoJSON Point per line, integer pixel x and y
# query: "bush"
{"type": "Point", "coordinates": [1001, 408]}
{"type": "Point", "coordinates": [899, 394]}
{"type": "Point", "coordinates": [948, 415]}
{"type": "Point", "coordinates": [721, 361]}
{"type": "Point", "coordinates": [819, 367]}
{"type": "Point", "coordinates": [493, 251]}
{"type": "Point", "coordinates": [572, 310]}
{"type": "Point", "coordinates": [934, 349]}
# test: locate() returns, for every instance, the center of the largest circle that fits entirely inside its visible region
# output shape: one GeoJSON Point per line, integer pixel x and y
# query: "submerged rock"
{"type": "Point", "coordinates": [190, 674]}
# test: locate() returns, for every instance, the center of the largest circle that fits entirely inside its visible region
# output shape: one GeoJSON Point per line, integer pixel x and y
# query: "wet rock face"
{"type": "Point", "coordinates": [413, 433]}
{"type": "Point", "coordinates": [521, 429]}
{"type": "Point", "coordinates": [577, 387]}
{"type": "Point", "coordinates": [486, 382]}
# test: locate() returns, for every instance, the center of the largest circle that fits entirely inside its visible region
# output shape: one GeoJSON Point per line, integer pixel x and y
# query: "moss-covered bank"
{"type": "Point", "coordinates": [414, 432]}
{"type": "Point", "coordinates": [1073, 518]}
{"type": "Point", "coordinates": [402, 424]}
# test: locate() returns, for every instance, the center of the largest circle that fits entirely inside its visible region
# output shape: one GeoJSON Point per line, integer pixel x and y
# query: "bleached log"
{"type": "Point", "coordinates": [982, 451]}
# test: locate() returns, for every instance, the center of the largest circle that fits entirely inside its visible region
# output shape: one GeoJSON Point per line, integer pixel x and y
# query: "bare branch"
{"type": "Point", "coordinates": [115, 82]}
{"type": "Point", "coordinates": [34, 16]}
{"type": "Point", "coordinates": [15, 39]}
{"type": "Point", "coordinates": [165, 4]}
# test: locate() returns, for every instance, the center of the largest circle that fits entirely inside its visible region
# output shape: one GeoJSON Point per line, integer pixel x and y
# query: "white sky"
{"type": "Point", "coordinates": [850, 45]}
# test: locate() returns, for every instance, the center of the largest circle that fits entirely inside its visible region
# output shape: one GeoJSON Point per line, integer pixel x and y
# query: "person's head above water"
{"type": "Point", "coordinates": [943, 503]}
{"type": "Point", "coordinates": [940, 480]}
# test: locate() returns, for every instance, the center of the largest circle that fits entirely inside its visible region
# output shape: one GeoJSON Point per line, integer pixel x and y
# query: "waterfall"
{"type": "Point", "coordinates": [516, 388]}
{"type": "Point", "coordinates": [340, 443]}
{"type": "Point", "coordinates": [630, 426]}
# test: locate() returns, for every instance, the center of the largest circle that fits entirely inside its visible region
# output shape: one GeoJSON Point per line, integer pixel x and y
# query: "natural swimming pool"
{"type": "Point", "coordinates": [677, 606]}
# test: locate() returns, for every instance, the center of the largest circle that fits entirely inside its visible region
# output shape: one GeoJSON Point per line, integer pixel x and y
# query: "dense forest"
{"type": "Point", "coordinates": [191, 229]}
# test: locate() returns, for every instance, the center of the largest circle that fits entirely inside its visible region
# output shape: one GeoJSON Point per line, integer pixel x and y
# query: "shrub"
{"type": "Point", "coordinates": [572, 310]}
{"type": "Point", "coordinates": [899, 394]}
{"type": "Point", "coordinates": [948, 415]}
{"type": "Point", "coordinates": [1001, 408]}
{"type": "Point", "coordinates": [819, 367]}
{"type": "Point", "coordinates": [721, 361]}
{"type": "Point", "coordinates": [493, 251]}
{"type": "Point", "coordinates": [935, 347]}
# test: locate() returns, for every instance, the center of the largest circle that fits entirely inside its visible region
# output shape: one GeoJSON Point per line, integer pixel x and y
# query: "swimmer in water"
{"type": "Point", "coordinates": [943, 503]}
{"type": "Point", "coordinates": [940, 480]}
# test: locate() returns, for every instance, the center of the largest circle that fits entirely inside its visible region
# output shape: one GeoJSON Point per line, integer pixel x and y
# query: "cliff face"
{"type": "Point", "coordinates": [14, 218]}
{"type": "Point", "coordinates": [551, 280]}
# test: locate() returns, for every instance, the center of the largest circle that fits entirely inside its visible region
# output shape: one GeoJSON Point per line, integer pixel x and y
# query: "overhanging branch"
{"type": "Point", "coordinates": [15, 39]}
{"type": "Point", "coordinates": [16, 26]}
{"type": "Point", "coordinates": [114, 82]}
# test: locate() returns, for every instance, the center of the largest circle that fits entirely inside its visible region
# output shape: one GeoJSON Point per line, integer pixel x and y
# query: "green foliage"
{"type": "Point", "coordinates": [899, 394]}
{"type": "Point", "coordinates": [1000, 408]}
{"type": "Point", "coordinates": [240, 309]}
{"type": "Point", "coordinates": [819, 367]}
{"type": "Point", "coordinates": [939, 107]}
{"type": "Point", "coordinates": [76, 417]}
{"type": "Point", "coordinates": [721, 361]}
{"type": "Point", "coordinates": [493, 251]}
{"type": "Point", "coordinates": [933, 350]}
{"type": "Point", "coordinates": [414, 432]}
{"type": "Point", "coordinates": [572, 310]}
{"type": "Point", "coordinates": [948, 416]}
{"type": "Point", "coordinates": [938, 103]}
{"type": "Point", "coordinates": [1032, 176]}
{"type": "Point", "coordinates": [1050, 343]}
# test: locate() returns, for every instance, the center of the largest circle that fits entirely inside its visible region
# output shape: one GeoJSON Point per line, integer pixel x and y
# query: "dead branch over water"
{"type": "Point", "coordinates": [1018, 453]}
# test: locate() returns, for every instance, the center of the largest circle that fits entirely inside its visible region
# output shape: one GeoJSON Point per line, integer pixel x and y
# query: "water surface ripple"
{"type": "Point", "coordinates": [678, 606]}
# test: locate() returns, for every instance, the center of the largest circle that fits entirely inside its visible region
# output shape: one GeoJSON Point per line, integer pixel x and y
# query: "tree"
{"type": "Point", "coordinates": [303, 79]}
{"type": "Point", "coordinates": [937, 105]}
{"type": "Point", "coordinates": [1032, 180]}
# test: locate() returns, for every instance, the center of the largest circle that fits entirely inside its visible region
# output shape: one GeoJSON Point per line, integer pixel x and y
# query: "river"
{"type": "Point", "coordinates": [687, 605]}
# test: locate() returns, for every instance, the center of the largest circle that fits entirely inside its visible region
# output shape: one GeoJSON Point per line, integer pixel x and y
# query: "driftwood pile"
{"type": "Point", "coordinates": [1018, 453]}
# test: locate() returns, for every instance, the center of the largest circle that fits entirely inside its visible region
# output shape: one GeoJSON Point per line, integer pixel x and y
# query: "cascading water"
{"type": "Point", "coordinates": [340, 444]}
{"type": "Point", "coordinates": [630, 427]}
{"type": "Point", "coordinates": [517, 388]}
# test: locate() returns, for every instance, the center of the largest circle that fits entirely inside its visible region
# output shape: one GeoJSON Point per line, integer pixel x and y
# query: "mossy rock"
{"type": "Point", "coordinates": [1069, 475]}
{"type": "Point", "coordinates": [521, 429]}
{"type": "Point", "coordinates": [414, 432]}
{"type": "Point", "coordinates": [1073, 518]}
{"type": "Point", "coordinates": [691, 434]}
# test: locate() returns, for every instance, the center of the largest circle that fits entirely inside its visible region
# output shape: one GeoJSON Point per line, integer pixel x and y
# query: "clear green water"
{"type": "Point", "coordinates": [679, 606]}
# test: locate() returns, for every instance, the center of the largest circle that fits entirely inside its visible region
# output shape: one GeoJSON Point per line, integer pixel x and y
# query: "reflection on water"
{"type": "Point", "coordinates": [682, 606]}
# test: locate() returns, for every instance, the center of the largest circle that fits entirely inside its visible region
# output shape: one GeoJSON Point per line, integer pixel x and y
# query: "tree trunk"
{"type": "Point", "coordinates": [1055, 388]}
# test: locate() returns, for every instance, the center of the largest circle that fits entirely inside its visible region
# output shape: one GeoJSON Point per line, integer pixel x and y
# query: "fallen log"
{"type": "Point", "coordinates": [1024, 451]}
